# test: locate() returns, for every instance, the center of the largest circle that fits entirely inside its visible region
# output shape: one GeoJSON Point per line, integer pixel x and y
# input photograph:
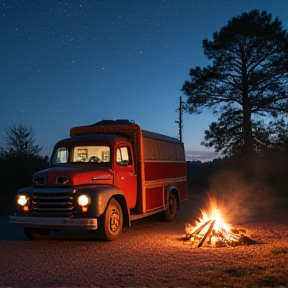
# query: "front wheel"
{"type": "Point", "coordinates": [111, 221]}
{"type": "Point", "coordinates": [36, 234]}
{"type": "Point", "coordinates": [170, 213]}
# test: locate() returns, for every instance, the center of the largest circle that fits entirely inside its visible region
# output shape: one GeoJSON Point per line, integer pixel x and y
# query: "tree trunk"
{"type": "Point", "coordinates": [247, 126]}
{"type": "Point", "coordinates": [247, 131]}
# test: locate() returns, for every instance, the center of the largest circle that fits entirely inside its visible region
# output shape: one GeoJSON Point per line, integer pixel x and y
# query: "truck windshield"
{"type": "Point", "coordinates": [82, 154]}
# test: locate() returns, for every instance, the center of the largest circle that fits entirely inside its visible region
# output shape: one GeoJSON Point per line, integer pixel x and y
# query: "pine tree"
{"type": "Point", "coordinates": [248, 77]}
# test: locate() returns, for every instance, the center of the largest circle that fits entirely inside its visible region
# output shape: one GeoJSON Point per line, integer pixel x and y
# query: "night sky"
{"type": "Point", "coordinates": [68, 63]}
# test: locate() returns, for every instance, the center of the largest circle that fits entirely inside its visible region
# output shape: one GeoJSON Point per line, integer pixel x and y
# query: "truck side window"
{"type": "Point", "coordinates": [123, 156]}
{"type": "Point", "coordinates": [61, 156]}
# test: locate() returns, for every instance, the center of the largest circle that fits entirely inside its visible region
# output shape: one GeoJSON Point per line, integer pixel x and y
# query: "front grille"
{"type": "Point", "coordinates": [53, 204]}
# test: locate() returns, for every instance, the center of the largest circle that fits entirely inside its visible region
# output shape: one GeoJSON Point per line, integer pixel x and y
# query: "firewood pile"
{"type": "Point", "coordinates": [212, 234]}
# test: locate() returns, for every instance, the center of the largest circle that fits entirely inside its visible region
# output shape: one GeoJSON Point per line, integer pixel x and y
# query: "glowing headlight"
{"type": "Point", "coordinates": [22, 200]}
{"type": "Point", "coordinates": [83, 200]}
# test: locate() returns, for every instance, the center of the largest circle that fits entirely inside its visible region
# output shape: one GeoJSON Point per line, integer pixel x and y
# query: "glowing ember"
{"type": "Point", "coordinates": [212, 230]}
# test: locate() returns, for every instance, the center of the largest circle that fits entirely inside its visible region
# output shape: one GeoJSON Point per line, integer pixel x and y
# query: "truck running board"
{"type": "Point", "coordinates": [145, 214]}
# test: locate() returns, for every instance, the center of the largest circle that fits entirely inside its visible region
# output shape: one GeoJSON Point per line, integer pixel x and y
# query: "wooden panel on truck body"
{"type": "Point", "coordinates": [164, 165]}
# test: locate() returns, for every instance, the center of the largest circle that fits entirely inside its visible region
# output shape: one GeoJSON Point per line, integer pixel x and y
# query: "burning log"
{"type": "Point", "coordinates": [223, 236]}
{"type": "Point", "coordinates": [207, 233]}
{"type": "Point", "coordinates": [198, 230]}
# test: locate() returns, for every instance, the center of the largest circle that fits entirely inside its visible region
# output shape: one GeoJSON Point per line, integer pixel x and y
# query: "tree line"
{"type": "Point", "coordinates": [19, 160]}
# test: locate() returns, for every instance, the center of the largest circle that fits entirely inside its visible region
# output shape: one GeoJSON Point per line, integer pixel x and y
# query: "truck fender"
{"type": "Point", "coordinates": [101, 195]}
{"type": "Point", "coordinates": [171, 189]}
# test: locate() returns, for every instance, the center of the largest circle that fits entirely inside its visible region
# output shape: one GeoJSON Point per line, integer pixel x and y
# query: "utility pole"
{"type": "Point", "coordinates": [180, 121]}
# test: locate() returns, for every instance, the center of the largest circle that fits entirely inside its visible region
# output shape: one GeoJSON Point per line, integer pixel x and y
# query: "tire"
{"type": "Point", "coordinates": [170, 213]}
{"type": "Point", "coordinates": [111, 221]}
{"type": "Point", "coordinates": [36, 234]}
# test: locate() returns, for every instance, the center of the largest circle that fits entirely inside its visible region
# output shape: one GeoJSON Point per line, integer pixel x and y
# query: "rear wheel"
{"type": "Point", "coordinates": [170, 213]}
{"type": "Point", "coordinates": [111, 221]}
{"type": "Point", "coordinates": [36, 234]}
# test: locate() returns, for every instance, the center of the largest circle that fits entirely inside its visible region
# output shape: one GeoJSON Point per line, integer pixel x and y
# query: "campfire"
{"type": "Point", "coordinates": [212, 231]}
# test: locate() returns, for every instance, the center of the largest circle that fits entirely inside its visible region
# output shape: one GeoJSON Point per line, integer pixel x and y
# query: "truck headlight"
{"type": "Point", "coordinates": [84, 200]}
{"type": "Point", "coordinates": [22, 200]}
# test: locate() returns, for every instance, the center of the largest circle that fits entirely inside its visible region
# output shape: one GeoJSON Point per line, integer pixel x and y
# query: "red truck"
{"type": "Point", "coordinates": [103, 177]}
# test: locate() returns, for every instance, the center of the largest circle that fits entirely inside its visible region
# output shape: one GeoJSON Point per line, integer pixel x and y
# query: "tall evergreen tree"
{"type": "Point", "coordinates": [248, 77]}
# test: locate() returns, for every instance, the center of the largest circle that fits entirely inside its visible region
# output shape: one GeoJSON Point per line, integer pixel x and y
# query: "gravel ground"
{"type": "Point", "coordinates": [152, 254]}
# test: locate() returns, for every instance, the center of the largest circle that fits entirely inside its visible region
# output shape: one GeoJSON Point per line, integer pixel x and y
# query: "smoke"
{"type": "Point", "coordinates": [240, 194]}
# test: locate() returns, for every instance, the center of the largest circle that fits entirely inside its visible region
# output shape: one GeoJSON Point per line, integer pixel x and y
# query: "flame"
{"type": "Point", "coordinates": [212, 226]}
{"type": "Point", "coordinates": [213, 230]}
{"type": "Point", "coordinates": [214, 214]}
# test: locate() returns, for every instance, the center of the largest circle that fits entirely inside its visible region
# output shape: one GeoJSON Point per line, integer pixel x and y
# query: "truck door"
{"type": "Point", "coordinates": [125, 177]}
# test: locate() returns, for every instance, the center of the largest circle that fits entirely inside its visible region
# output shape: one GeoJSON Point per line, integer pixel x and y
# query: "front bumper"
{"type": "Point", "coordinates": [53, 223]}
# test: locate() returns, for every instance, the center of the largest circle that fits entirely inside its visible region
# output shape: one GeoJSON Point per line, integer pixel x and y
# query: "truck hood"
{"type": "Point", "coordinates": [73, 175]}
